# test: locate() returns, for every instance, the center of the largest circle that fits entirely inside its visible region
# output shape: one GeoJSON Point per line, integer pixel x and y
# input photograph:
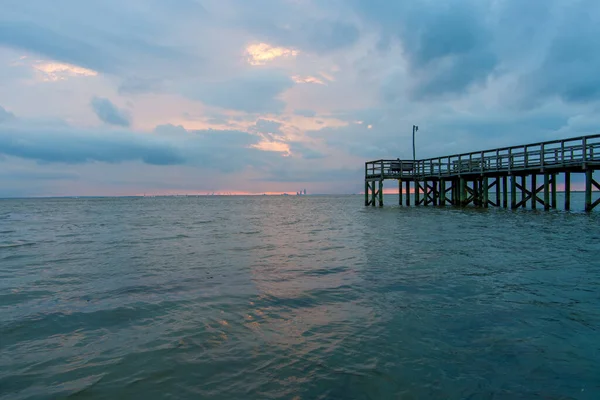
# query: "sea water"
{"type": "Point", "coordinates": [296, 298]}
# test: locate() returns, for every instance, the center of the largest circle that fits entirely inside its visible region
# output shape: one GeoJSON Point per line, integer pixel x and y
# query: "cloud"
{"type": "Point", "coordinates": [136, 86]}
{"type": "Point", "coordinates": [254, 92]}
{"type": "Point", "coordinates": [262, 53]}
{"type": "Point", "coordinates": [95, 35]}
{"type": "Point", "coordinates": [570, 67]}
{"type": "Point", "coordinates": [71, 146]}
{"type": "Point", "coordinates": [447, 44]}
{"type": "Point", "coordinates": [305, 113]}
{"type": "Point", "coordinates": [222, 150]}
{"type": "Point", "coordinates": [109, 113]}
{"type": "Point", "coordinates": [294, 24]}
{"type": "Point", "coordinates": [5, 115]}
{"type": "Point", "coordinates": [305, 152]}
{"type": "Point", "coordinates": [267, 126]}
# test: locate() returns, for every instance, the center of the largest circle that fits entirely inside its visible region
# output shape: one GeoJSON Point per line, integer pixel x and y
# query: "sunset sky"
{"type": "Point", "coordinates": [106, 97]}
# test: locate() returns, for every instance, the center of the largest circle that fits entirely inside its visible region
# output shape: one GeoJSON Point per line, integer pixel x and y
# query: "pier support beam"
{"type": "Point", "coordinates": [553, 190]}
{"type": "Point", "coordinates": [373, 194]}
{"type": "Point", "coordinates": [381, 193]}
{"type": "Point", "coordinates": [523, 193]}
{"type": "Point", "coordinates": [417, 195]}
{"type": "Point", "coordinates": [463, 192]}
{"type": "Point", "coordinates": [407, 193]}
{"type": "Point", "coordinates": [498, 192]}
{"type": "Point", "coordinates": [505, 190]}
{"type": "Point", "coordinates": [588, 189]}
{"type": "Point", "coordinates": [400, 202]}
{"type": "Point", "coordinates": [485, 192]}
{"type": "Point", "coordinates": [442, 193]}
{"type": "Point", "coordinates": [367, 188]}
{"type": "Point", "coordinates": [567, 191]}
{"type": "Point", "coordinates": [534, 192]}
{"type": "Point", "coordinates": [513, 192]}
{"type": "Point", "coordinates": [546, 191]}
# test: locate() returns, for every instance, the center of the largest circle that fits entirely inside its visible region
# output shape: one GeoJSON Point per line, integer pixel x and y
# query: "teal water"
{"type": "Point", "coordinates": [296, 298]}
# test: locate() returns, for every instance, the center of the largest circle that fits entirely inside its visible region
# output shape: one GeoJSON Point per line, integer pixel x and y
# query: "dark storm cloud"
{"type": "Point", "coordinates": [447, 43]}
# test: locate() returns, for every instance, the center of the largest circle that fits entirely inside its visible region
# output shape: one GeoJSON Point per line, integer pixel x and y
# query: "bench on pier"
{"type": "Point", "coordinates": [469, 165]}
{"type": "Point", "coordinates": [401, 166]}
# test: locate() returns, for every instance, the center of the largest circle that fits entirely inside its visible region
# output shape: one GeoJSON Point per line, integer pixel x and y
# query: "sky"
{"type": "Point", "coordinates": [106, 97]}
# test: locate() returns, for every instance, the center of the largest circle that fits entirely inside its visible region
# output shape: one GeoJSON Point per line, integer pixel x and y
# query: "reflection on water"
{"type": "Point", "coordinates": [296, 298]}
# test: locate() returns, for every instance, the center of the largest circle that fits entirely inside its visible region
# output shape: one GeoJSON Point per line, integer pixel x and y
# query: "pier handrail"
{"type": "Point", "coordinates": [561, 152]}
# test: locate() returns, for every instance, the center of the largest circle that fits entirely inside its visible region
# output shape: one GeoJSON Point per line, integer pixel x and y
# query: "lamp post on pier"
{"type": "Point", "coordinates": [415, 129]}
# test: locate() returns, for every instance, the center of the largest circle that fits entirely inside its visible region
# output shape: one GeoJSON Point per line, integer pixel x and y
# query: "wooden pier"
{"type": "Point", "coordinates": [509, 176]}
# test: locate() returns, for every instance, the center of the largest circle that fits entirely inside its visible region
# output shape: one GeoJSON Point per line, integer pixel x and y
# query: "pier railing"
{"type": "Point", "coordinates": [536, 156]}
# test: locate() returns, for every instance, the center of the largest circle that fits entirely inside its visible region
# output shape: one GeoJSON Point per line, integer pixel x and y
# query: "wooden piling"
{"type": "Point", "coordinates": [533, 192]}
{"type": "Point", "coordinates": [505, 190]}
{"type": "Point", "coordinates": [373, 199]}
{"type": "Point", "coordinates": [485, 192]}
{"type": "Point", "coordinates": [400, 202]}
{"type": "Point", "coordinates": [417, 194]}
{"type": "Point", "coordinates": [553, 190]}
{"type": "Point", "coordinates": [567, 191]}
{"type": "Point", "coordinates": [367, 187]}
{"type": "Point", "coordinates": [498, 192]}
{"type": "Point", "coordinates": [442, 193]}
{"type": "Point", "coordinates": [523, 191]}
{"type": "Point", "coordinates": [407, 193]}
{"type": "Point", "coordinates": [546, 191]}
{"type": "Point", "coordinates": [381, 193]}
{"type": "Point", "coordinates": [513, 192]}
{"type": "Point", "coordinates": [588, 189]}
{"type": "Point", "coordinates": [463, 192]}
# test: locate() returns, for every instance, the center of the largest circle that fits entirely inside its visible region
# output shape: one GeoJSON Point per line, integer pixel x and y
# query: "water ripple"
{"type": "Point", "coordinates": [286, 298]}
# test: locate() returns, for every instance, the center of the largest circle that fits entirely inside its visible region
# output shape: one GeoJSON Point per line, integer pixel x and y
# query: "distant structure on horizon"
{"type": "Point", "coordinates": [301, 193]}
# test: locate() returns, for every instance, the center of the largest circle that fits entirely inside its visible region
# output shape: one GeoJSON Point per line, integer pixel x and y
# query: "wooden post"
{"type": "Point", "coordinates": [407, 193]}
{"type": "Point", "coordinates": [463, 192]}
{"type": "Point", "coordinates": [513, 192]}
{"type": "Point", "coordinates": [498, 191]}
{"type": "Point", "coordinates": [588, 190]}
{"type": "Point", "coordinates": [400, 192]}
{"type": "Point", "coordinates": [367, 187]}
{"type": "Point", "coordinates": [442, 192]}
{"type": "Point", "coordinates": [417, 195]}
{"type": "Point", "coordinates": [533, 192]}
{"type": "Point", "coordinates": [381, 193]}
{"type": "Point", "coordinates": [553, 190]}
{"type": "Point", "coordinates": [524, 185]}
{"type": "Point", "coordinates": [456, 191]}
{"type": "Point", "coordinates": [486, 188]}
{"type": "Point", "coordinates": [373, 194]}
{"type": "Point", "coordinates": [567, 191]}
{"type": "Point", "coordinates": [546, 191]}
{"type": "Point", "coordinates": [436, 193]}
{"type": "Point", "coordinates": [505, 190]}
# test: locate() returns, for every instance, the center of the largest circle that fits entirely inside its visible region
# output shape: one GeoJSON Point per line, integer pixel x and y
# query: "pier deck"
{"type": "Point", "coordinates": [468, 178]}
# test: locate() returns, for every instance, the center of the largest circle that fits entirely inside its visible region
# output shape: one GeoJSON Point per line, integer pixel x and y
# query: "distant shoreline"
{"type": "Point", "coordinates": [210, 195]}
